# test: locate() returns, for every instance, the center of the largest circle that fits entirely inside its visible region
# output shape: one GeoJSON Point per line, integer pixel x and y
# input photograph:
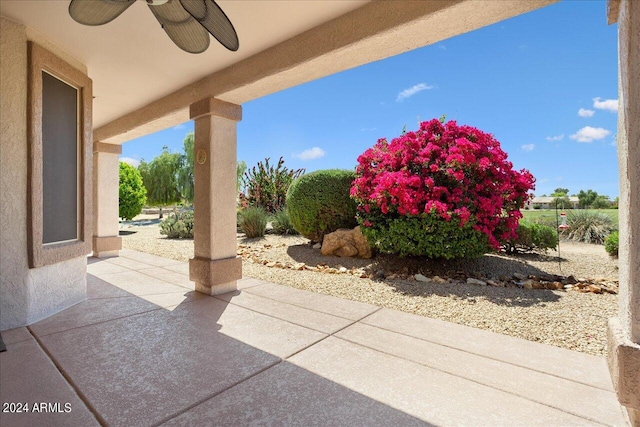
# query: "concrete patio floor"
{"type": "Point", "coordinates": [144, 349]}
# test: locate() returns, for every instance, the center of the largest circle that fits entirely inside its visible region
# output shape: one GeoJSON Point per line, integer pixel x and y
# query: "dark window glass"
{"type": "Point", "coordinates": [59, 160]}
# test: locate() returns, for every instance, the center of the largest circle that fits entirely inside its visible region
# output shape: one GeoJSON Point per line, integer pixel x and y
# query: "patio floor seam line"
{"type": "Point", "coordinates": [270, 315]}
{"type": "Point", "coordinates": [329, 335]}
{"type": "Point", "coordinates": [100, 420]}
{"type": "Point", "coordinates": [473, 381]}
{"type": "Point", "coordinates": [135, 296]}
{"type": "Point", "coordinates": [115, 318]}
{"type": "Point", "coordinates": [200, 401]}
{"type": "Point", "coordinates": [312, 309]}
{"type": "Point", "coordinates": [140, 270]}
{"type": "Point", "coordinates": [490, 358]}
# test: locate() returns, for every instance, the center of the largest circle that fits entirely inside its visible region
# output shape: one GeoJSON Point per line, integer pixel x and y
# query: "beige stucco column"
{"type": "Point", "coordinates": [106, 239]}
{"type": "Point", "coordinates": [215, 267]}
{"type": "Point", "coordinates": [624, 330]}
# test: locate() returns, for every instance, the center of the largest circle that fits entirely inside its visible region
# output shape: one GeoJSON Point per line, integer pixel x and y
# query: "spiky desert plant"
{"type": "Point", "coordinates": [252, 222]}
{"type": "Point", "coordinates": [267, 185]}
{"type": "Point", "coordinates": [588, 227]}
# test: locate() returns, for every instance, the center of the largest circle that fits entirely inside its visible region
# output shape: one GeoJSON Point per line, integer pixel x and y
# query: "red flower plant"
{"type": "Point", "coordinates": [447, 170]}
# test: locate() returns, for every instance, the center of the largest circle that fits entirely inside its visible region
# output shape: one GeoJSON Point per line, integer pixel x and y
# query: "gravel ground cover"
{"type": "Point", "coordinates": [568, 319]}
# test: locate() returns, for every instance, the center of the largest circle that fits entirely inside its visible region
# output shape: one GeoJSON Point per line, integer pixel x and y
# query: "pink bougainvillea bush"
{"type": "Point", "coordinates": [443, 191]}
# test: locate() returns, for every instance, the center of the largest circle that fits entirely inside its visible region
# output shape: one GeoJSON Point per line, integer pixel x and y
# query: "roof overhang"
{"type": "Point", "coordinates": [143, 83]}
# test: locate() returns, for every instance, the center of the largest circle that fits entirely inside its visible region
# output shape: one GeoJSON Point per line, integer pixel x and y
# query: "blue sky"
{"type": "Point", "coordinates": [544, 83]}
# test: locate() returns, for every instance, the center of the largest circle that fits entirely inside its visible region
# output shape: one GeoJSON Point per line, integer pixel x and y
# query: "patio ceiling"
{"type": "Point", "coordinates": [144, 83]}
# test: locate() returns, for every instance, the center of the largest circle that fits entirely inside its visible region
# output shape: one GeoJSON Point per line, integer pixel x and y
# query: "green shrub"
{"type": "Point", "coordinates": [267, 185]}
{"type": "Point", "coordinates": [533, 236]}
{"type": "Point", "coordinates": [427, 235]}
{"type": "Point", "coordinates": [588, 227]}
{"type": "Point", "coordinates": [281, 223]}
{"type": "Point", "coordinates": [611, 244]}
{"type": "Point", "coordinates": [178, 225]}
{"type": "Point", "coordinates": [319, 203]}
{"type": "Point", "coordinates": [253, 222]}
{"type": "Point", "coordinates": [132, 193]}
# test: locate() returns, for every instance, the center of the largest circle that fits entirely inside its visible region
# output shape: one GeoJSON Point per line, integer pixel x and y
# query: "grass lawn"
{"type": "Point", "coordinates": [535, 214]}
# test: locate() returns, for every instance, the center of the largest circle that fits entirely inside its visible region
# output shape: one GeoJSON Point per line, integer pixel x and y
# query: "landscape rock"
{"type": "Point", "coordinates": [472, 281]}
{"type": "Point", "coordinates": [570, 280]}
{"type": "Point", "coordinates": [317, 246]}
{"type": "Point", "coordinates": [438, 279]}
{"type": "Point", "coordinates": [421, 278]}
{"type": "Point", "coordinates": [519, 276]}
{"type": "Point", "coordinates": [595, 289]}
{"type": "Point", "coordinates": [346, 251]}
{"type": "Point", "coordinates": [346, 243]}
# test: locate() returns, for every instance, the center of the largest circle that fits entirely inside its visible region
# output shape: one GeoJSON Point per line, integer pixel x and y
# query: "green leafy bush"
{"type": "Point", "coordinates": [426, 235]}
{"type": "Point", "coordinates": [611, 244]}
{"type": "Point", "coordinates": [281, 223]}
{"type": "Point", "coordinates": [253, 222]}
{"type": "Point", "coordinates": [132, 193]}
{"type": "Point", "coordinates": [588, 227]}
{"type": "Point", "coordinates": [267, 185]}
{"type": "Point", "coordinates": [178, 225]}
{"type": "Point", "coordinates": [532, 236]}
{"type": "Point", "coordinates": [319, 203]}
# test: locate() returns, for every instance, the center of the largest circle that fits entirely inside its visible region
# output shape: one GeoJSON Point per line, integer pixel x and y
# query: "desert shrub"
{"type": "Point", "coordinates": [532, 236]}
{"type": "Point", "coordinates": [178, 225]}
{"type": "Point", "coordinates": [588, 226]}
{"type": "Point", "coordinates": [611, 243]}
{"type": "Point", "coordinates": [319, 203]}
{"type": "Point", "coordinates": [132, 193]}
{"type": "Point", "coordinates": [281, 223]}
{"type": "Point", "coordinates": [253, 222]}
{"type": "Point", "coordinates": [267, 185]}
{"type": "Point", "coordinates": [442, 178]}
{"type": "Point", "coordinates": [426, 235]}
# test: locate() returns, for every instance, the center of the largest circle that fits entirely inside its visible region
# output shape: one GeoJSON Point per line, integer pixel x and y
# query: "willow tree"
{"type": "Point", "coordinates": [185, 175]}
{"type": "Point", "coordinates": [160, 177]}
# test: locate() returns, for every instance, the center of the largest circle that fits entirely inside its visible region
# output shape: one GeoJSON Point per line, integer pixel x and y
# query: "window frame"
{"type": "Point", "coordinates": [40, 254]}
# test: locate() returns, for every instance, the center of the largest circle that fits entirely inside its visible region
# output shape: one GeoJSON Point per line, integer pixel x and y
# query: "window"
{"type": "Point", "coordinates": [60, 151]}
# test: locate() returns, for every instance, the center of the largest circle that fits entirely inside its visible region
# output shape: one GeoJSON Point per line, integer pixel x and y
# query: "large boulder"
{"type": "Point", "coordinates": [346, 243]}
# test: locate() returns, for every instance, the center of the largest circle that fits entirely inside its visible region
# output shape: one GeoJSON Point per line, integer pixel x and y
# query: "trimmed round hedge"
{"type": "Point", "coordinates": [319, 203]}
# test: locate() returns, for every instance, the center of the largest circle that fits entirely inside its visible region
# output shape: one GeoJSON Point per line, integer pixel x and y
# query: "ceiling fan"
{"type": "Point", "coordinates": [188, 23]}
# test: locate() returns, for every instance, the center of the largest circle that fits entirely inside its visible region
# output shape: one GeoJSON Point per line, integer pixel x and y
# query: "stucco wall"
{"type": "Point", "coordinates": [629, 167]}
{"type": "Point", "coordinates": [26, 296]}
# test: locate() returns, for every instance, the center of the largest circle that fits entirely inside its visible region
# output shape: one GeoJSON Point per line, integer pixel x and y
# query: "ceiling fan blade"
{"type": "Point", "coordinates": [97, 12]}
{"type": "Point", "coordinates": [181, 27]}
{"type": "Point", "coordinates": [211, 17]}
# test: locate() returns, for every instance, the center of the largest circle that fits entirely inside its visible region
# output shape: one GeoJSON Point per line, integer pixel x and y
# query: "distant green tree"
{"type": "Point", "coordinates": [560, 199]}
{"type": "Point", "coordinates": [132, 193]}
{"type": "Point", "coordinates": [560, 192]}
{"type": "Point", "coordinates": [561, 202]}
{"type": "Point", "coordinates": [160, 178]}
{"type": "Point", "coordinates": [186, 173]}
{"type": "Point", "coordinates": [601, 202]}
{"type": "Point", "coordinates": [586, 198]}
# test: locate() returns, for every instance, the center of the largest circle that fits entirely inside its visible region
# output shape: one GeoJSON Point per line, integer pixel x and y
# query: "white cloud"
{"type": "Point", "coordinates": [310, 154]}
{"type": "Point", "coordinates": [180, 126]}
{"type": "Point", "coordinates": [555, 138]}
{"type": "Point", "coordinates": [583, 112]}
{"type": "Point", "coordinates": [607, 104]}
{"type": "Point", "coordinates": [590, 134]}
{"type": "Point", "coordinates": [528, 147]}
{"type": "Point", "coordinates": [131, 161]}
{"type": "Point", "coordinates": [412, 91]}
